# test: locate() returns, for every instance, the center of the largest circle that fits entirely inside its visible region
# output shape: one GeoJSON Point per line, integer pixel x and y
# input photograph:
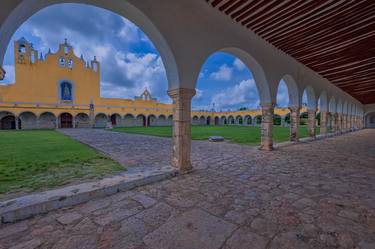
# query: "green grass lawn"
{"type": "Point", "coordinates": [36, 160]}
{"type": "Point", "coordinates": [237, 134]}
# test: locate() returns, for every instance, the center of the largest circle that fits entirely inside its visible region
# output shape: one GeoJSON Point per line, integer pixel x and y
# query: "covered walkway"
{"type": "Point", "coordinates": [315, 195]}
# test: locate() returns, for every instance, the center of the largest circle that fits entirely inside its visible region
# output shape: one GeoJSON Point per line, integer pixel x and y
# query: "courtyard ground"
{"type": "Point", "coordinates": [36, 160]}
{"type": "Point", "coordinates": [319, 194]}
{"type": "Point", "coordinates": [233, 133]}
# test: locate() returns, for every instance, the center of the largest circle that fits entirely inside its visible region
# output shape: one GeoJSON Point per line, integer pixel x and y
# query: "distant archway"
{"type": "Point", "coordinates": [82, 120]}
{"type": "Point", "coordinates": [7, 121]}
{"type": "Point", "coordinates": [66, 120]}
{"type": "Point", "coordinates": [101, 120]}
{"type": "Point", "coordinates": [47, 120]}
{"type": "Point", "coordinates": [28, 121]}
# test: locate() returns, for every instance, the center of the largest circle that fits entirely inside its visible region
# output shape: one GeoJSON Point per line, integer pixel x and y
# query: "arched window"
{"type": "Point", "coordinates": [22, 49]}
{"type": "Point", "coordinates": [66, 91]}
{"type": "Point", "coordinates": [70, 63]}
{"type": "Point", "coordinates": [62, 61]}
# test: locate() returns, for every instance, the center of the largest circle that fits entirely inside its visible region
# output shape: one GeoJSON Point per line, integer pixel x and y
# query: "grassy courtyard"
{"type": "Point", "coordinates": [237, 134]}
{"type": "Point", "coordinates": [36, 160]}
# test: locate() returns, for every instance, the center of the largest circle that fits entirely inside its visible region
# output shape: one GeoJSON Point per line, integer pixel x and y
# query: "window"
{"type": "Point", "coordinates": [62, 61]}
{"type": "Point", "coordinates": [22, 49]}
{"type": "Point", "coordinates": [70, 63]}
{"type": "Point", "coordinates": [66, 91]}
{"type": "Point", "coordinates": [66, 49]}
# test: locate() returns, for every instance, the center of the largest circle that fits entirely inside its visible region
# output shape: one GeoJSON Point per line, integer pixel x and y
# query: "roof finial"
{"type": "Point", "coordinates": [82, 57]}
{"type": "Point", "coordinates": [41, 56]}
{"type": "Point", "coordinates": [49, 51]}
{"type": "Point", "coordinates": [66, 41]}
{"type": "Point", "coordinates": [94, 58]}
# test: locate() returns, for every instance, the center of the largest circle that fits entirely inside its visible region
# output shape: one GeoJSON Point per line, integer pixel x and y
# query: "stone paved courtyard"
{"type": "Point", "coordinates": [312, 195]}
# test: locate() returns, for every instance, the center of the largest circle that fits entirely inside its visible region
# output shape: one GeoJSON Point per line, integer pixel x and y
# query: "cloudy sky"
{"type": "Point", "coordinates": [130, 62]}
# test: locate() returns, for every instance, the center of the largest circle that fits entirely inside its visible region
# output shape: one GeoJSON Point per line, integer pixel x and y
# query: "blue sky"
{"type": "Point", "coordinates": [130, 62]}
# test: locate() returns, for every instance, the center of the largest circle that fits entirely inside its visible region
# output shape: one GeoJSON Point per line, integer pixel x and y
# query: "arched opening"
{"type": "Point", "coordinates": [208, 120]}
{"type": "Point", "coordinates": [162, 120]}
{"type": "Point", "coordinates": [231, 120]}
{"type": "Point", "coordinates": [248, 120]}
{"type": "Point", "coordinates": [141, 120]}
{"type": "Point", "coordinates": [239, 120]}
{"type": "Point", "coordinates": [223, 120]}
{"type": "Point", "coordinates": [82, 120]}
{"type": "Point", "coordinates": [7, 121]}
{"type": "Point", "coordinates": [277, 119]}
{"type": "Point", "coordinates": [370, 120]}
{"type": "Point", "coordinates": [47, 120]}
{"type": "Point", "coordinates": [129, 120]}
{"type": "Point", "coordinates": [303, 118]}
{"type": "Point", "coordinates": [27, 121]}
{"type": "Point", "coordinates": [202, 120]}
{"type": "Point", "coordinates": [288, 97]}
{"type": "Point", "coordinates": [258, 119]}
{"type": "Point", "coordinates": [101, 120]}
{"type": "Point", "coordinates": [195, 120]}
{"type": "Point", "coordinates": [151, 120]}
{"type": "Point", "coordinates": [170, 120]}
{"type": "Point", "coordinates": [116, 120]}
{"type": "Point", "coordinates": [332, 115]}
{"type": "Point", "coordinates": [66, 120]}
{"type": "Point", "coordinates": [217, 120]}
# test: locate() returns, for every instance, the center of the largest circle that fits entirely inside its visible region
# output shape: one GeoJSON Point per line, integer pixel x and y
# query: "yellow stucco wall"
{"type": "Point", "coordinates": [36, 88]}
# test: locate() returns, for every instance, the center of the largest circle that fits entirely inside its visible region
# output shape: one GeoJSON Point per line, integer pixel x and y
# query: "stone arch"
{"type": "Point", "coordinates": [239, 120]}
{"type": "Point", "coordinates": [129, 120]}
{"type": "Point", "coordinates": [162, 120]}
{"type": "Point", "coordinates": [255, 68]}
{"type": "Point", "coordinates": [116, 120]}
{"type": "Point", "coordinates": [223, 120]}
{"type": "Point", "coordinates": [7, 120]}
{"type": "Point", "coordinates": [82, 120]}
{"type": "Point", "coordinates": [208, 120]}
{"type": "Point", "coordinates": [339, 106]}
{"type": "Point", "coordinates": [258, 119]}
{"type": "Point", "coordinates": [170, 120]}
{"type": "Point", "coordinates": [277, 120]}
{"type": "Point", "coordinates": [370, 120]}
{"type": "Point", "coordinates": [217, 120]}
{"type": "Point", "coordinates": [140, 120]}
{"type": "Point", "coordinates": [231, 120]}
{"type": "Point", "coordinates": [195, 120]}
{"type": "Point", "coordinates": [323, 102]}
{"type": "Point", "coordinates": [101, 120]}
{"type": "Point", "coordinates": [25, 9]}
{"type": "Point", "coordinates": [47, 120]}
{"type": "Point", "coordinates": [151, 120]}
{"type": "Point", "coordinates": [202, 120]}
{"type": "Point", "coordinates": [65, 120]}
{"type": "Point", "coordinates": [247, 120]}
{"type": "Point", "coordinates": [332, 105]}
{"type": "Point", "coordinates": [293, 93]}
{"type": "Point", "coordinates": [28, 120]}
{"type": "Point", "coordinates": [311, 98]}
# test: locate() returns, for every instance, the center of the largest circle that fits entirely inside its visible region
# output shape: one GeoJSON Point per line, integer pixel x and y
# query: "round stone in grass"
{"type": "Point", "coordinates": [216, 138]}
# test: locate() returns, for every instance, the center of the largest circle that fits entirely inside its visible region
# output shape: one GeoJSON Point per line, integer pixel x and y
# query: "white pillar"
{"type": "Point", "coordinates": [294, 123]}
{"type": "Point", "coordinates": [181, 140]}
{"type": "Point", "coordinates": [266, 126]}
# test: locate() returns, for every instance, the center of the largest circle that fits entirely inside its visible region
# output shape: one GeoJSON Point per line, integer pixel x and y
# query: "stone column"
{"type": "Point", "coordinates": [323, 122]}
{"type": "Point", "coordinates": [311, 122]}
{"type": "Point", "coordinates": [181, 139]}
{"type": "Point", "coordinates": [333, 122]}
{"type": "Point", "coordinates": [339, 123]}
{"type": "Point", "coordinates": [294, 124]}
{"type": "Point", "coordinates": [266, 127]}
{"type": "Point", "coordinates": [17, 122]}
{"type": "Point", "coordinates": [92, 114]}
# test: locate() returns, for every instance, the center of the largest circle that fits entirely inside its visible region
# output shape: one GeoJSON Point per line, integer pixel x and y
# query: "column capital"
{"type": "Point", "coordinates": [181, 92]}
{"type": "Point", "coordinates": [2, 73]}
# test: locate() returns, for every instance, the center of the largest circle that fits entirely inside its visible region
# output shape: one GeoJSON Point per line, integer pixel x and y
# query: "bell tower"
{"type": "Point", "coordinates": [24, 52]}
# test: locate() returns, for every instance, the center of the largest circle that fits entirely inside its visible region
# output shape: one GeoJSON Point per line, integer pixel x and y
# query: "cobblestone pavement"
{"type": "Point", "coordinates": [313, 195]}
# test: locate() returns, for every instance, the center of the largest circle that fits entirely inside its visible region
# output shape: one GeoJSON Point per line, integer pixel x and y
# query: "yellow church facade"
{"type": "Point", "coordinates": [62, 90]}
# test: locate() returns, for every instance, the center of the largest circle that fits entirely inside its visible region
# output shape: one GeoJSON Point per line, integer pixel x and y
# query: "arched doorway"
{"type": "Point", "coordinates": [116, 120]}
{"type": "Point", "coordinates": [151, 120]}
{"type": "Point", "coordinates": [82, 120]}
{"type": "Point", "coordinates": [141, 120]}
{"type": "Point", "coordinates": [7, 121]}
{"type": "Point", "coordinates": [27, 121]}
{"type": "Point", "coordinates": [47, 120]}
{"type": "Point", "coordinates": [66, 120]}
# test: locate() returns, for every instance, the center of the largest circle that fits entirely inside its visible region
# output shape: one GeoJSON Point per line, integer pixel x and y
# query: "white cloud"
{"type": "Point", "coordinates": [129, 32]}
{"type": "Point", "coordinates": [239, 64]}
{"type": "Point", "coordinates": [224, 73]}
{"type": "Point", "coordinates": [198, 94]}
{"type": "Point", "coordinates": [242, 94]}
